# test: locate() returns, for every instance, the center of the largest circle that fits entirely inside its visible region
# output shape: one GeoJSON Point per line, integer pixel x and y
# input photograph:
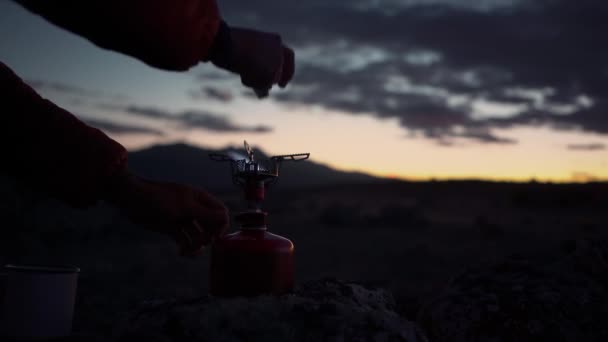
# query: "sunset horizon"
{"type": "Point", "coordinates": [419, 111]}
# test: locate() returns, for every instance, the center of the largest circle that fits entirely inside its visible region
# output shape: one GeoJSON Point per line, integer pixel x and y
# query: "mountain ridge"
{"type": "Point", "coordinates": [184, 163]}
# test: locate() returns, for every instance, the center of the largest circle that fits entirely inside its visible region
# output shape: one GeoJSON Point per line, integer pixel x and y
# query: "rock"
{"type": "Point", "coordinates": [518, 300]}
{"type": "Point", "coordinates": [326, 310]}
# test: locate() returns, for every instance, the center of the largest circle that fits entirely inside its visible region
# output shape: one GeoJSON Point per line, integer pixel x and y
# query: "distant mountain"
{"type": "Point", "coordinates": [192, 165]}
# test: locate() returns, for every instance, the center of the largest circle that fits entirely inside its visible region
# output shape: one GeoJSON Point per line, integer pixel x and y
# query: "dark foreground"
{"type": "Point", "coordinates": [464, 259]}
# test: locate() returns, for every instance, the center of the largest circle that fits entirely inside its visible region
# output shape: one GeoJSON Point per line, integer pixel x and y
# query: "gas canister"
{"type": "Point", "coordinates": [251, 261]}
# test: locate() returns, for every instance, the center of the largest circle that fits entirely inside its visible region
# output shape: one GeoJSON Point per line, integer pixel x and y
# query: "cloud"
{"type": "Point", "coordinates": [119, 128]}
{"type": "Point", "coordinates": [68, 89]}
{"type": "Point", "coordinates": [485, 136]}
{"type": "Point", "coordinates": [197, 119]}
{"type": "Point", "coordinates": [210, 92]}
{"type": "Point", "coordinates": [587, 147]}
{"type": "Point", "coordinates": [214, 74]}
{"type": "Point", "coordinates": [63, 88]}
{"type": "Point", "coordinates": [148, 112]}
{"type": "Point", "coordinates": [444, 66]}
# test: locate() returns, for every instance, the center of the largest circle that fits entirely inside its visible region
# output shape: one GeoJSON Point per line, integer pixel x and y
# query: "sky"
{"type": "Point", "coordinates": [413, 89]}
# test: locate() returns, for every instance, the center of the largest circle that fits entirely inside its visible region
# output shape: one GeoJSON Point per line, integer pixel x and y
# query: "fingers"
{"type": "Point", "coordinates": [261, 59]}
{"type": "Point", "coordinates": [207, 220]}
{"type": "Point", "coordinates": [192, 239]}
{"type": "Point", "coordinates": [192, 217]}
{"type": "Point", "coordinates": [259, 80]}
{"type": "Point", "coordinates": [261, 92]}
{"type": "Point", "coordinates": [200, 233]}
{"type": "Point", "coordinates": [213, 225]}
{"type": "Point", "coordinates": [283, 73]}
{"type": "Point", "coordinates": [189, 242]}
{"type": "Point", "coordinates": [206, 238]}
{"type": "Point", "coordinates": [288, 67]}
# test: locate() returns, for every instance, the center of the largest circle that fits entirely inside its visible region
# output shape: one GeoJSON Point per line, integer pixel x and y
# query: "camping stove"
{"type": "Point", "coordinates": [252, 261]}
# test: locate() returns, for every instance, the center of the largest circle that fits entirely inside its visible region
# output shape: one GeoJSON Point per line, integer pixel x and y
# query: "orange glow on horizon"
{"type": "Point", "coordinates": [381, 147]}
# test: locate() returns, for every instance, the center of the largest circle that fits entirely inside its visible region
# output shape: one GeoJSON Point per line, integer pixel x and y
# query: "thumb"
{"type": "Point", "coordinates": [192, 237]}
{"type": "Point", "coordinates": [287, 67]}
{"type": "Point", "coordinates": [212, 221]}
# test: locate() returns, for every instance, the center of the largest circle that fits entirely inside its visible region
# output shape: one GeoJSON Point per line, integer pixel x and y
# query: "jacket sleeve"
{"type": "Point", "coordinates": [167, 34]}
{"type": "Point", "coordinates": [48, 148]}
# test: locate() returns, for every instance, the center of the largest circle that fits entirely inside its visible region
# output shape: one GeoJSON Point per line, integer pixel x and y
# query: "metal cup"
{"type": "Point", "coordinates": [38, 301]}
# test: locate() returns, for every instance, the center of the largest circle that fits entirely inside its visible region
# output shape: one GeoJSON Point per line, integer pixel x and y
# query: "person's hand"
{"type": "Point", "coordinates": [192, 217]}
{"type": "Point", "coordinates": [260, 58]}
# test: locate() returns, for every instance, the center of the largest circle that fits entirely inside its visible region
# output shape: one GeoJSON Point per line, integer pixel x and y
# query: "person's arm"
{"type": "Point", "coordinates": [50, 150]}
{"type": "Point", "coordinates": [167, 34]}
{"type": "Point", "coordinates": [174, 35]}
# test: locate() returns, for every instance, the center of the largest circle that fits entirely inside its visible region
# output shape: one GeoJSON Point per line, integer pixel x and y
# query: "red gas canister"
{"type": "Point", "coordinates": [251, 261]}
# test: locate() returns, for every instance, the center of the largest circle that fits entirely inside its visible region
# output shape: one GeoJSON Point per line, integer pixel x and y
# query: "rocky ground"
{"type": "Point", "coordinates": [514, 300]}
{"type": "Point", "coordinates": [325, 310]}
{"type": "Point", "coordinates": [444, 251]}
{"type": "Point", "coordinates": [519, 300]}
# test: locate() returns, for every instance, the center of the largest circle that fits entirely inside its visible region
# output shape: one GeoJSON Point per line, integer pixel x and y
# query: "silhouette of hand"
{"type": "Point", "coordinates": [260, 58]}
{"type": "Point", "coordinates": [192, 217]}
